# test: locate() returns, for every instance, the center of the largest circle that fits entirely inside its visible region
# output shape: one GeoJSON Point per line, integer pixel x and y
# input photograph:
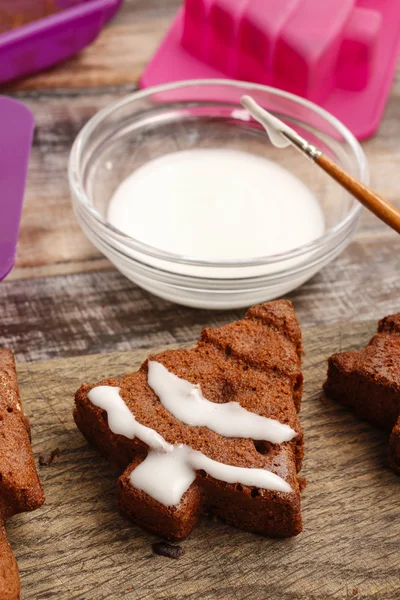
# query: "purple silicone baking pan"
{"type": "Point", "coordinates": [16, 130]}
{"type": "Point", "coordinates": [36, 34]}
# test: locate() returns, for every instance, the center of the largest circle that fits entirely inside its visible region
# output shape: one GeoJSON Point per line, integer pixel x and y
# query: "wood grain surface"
{"type": "Point", "coordinates": [63, 298]}
{"type": "Point", "coordinates": [78, 546]}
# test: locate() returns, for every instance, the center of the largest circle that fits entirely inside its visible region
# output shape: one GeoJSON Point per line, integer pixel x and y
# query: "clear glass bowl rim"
{"type": "Point", "coordinates": [121, 238]}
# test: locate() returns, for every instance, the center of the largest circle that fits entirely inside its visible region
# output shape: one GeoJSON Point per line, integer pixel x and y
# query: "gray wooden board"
{"type": "Point", "coordinates": [79, 546]}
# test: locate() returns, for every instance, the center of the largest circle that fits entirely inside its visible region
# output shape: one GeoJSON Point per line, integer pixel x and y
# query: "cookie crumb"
{"type": "Point", "coordinates": [47, 459]}
{"type": "Point", "coordinates": [324, 399]}
{"type": "Point", "coordinates": [168, 550]}
{"type": "Point", "coordinates": [302, 483]}
{"type": "Point", "coordinates": [355, 591]}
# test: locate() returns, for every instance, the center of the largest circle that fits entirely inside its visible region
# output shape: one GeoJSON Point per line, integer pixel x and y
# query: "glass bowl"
{"type": "Point", "coordinates": [207, 114]}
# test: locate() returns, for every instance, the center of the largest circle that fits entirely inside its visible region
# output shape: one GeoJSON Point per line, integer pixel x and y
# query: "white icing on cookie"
{"type": "Point", "coordinates": [122, 421]}
{"type": "Point", "coordinates": [186, 402]}
{"type": "Point", "coordinates": [169, 470]}
{"type": "Point", "coordinates": [167, 476]}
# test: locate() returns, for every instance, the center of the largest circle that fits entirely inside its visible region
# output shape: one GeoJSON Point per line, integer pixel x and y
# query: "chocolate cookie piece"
{"type": "Point", "coordinates": [9, 577]}
{"type": "Point", "coordinates": [164, 549]}
{"type": "Point", "coordinates": [368, 381]}
{"type": "Point", "coordinates": [394, 448]}
{"type": "Point", "coordinates": [254, 362]}
{"type": "Point", "coordinates": [20, 488]}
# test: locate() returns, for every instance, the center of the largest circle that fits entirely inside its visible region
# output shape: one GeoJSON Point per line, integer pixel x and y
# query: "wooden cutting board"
{"type": "Point", "coordinates": [79, 546]}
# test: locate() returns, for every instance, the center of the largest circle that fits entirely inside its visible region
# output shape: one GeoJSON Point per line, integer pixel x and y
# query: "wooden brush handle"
{"type": "Point", "coordinates": [370, 199]}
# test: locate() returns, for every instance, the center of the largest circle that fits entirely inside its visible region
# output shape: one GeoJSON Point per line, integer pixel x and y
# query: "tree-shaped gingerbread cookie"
{"type": "Point", "coordinates": [212, 429]}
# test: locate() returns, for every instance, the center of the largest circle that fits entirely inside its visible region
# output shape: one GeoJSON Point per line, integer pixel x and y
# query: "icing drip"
{"type": "Point", "coordinates": [272, 125]}
{"type": "Point", "coordinates": [169, 470]}
{"type": "Point", "coordinates": [186, 402]}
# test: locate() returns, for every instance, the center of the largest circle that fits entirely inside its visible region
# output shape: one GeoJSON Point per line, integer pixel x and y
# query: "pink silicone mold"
{"type": "Point", "coordinates": [341, 55]}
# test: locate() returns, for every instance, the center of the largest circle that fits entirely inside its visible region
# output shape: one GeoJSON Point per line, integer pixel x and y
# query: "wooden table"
{"type": "Point", "coordinates": [63, 298]}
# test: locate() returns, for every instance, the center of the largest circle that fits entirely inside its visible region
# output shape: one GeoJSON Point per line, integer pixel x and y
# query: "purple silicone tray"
{"type": "Point", "coordinates": [36, 34]}
{"type": "Point", "coordinates": [16, 129]}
